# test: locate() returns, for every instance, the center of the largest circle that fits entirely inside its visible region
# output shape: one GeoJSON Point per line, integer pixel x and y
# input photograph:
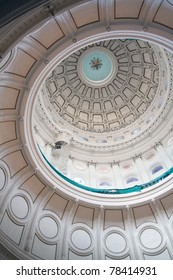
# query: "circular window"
{"type": "Point", "coordinates": [127, 165]}
{"type": "Point", "coordinates": [157, 169]}
{"type": "Point", "coordinates": [105, 184]}
{"type": "Point", "coordinates": [131, 180]}
{"type": "Point", "coordinates": [150, 155]}
{"type": "Point", "coordinates": [135, 131]}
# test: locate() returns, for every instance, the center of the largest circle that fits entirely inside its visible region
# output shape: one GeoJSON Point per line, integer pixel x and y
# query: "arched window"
{"type": "Point", "coordinates": [105, 184]}
{"type": "Point", "coordinates": [82, 138]}
{"type": "Point", "coordinates": [157, 169]}
{"type": "Point", "coordinates": [131, 180]}
{"type": "Point", "coordinates": [102, 141]}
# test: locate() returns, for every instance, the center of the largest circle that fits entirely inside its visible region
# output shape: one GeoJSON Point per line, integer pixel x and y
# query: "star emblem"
{"type": "Point", "coordinates": [96, 63]}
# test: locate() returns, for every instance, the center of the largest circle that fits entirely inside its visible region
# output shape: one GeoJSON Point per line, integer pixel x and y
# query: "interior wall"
{"type": "Point", "coordinates": [52, 225]}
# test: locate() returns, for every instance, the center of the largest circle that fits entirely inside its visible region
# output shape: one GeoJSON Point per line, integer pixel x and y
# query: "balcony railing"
{"type": "Point", "coordinates": [136, 188]}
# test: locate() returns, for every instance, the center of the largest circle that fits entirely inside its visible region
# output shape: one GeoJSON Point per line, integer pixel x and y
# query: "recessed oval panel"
{"type": "Point", "coordinates": [2, 179]}
{"type": "Point", "coordinates": [19, 207]}
{"type": "Point", "coordinates": [115, 243]}
{"type": "Point", "coordinates": [151, 238]}
{"type": "Point", "coordinates": [81, 239]}
{"type": "Point", "coordinates": [48, 227]}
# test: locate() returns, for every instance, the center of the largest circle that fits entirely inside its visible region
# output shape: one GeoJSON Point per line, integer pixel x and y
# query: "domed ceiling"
{"type": "Point", "coordinates": [44, 216]}
{"type": "Point", "coordinates": [107, 92]}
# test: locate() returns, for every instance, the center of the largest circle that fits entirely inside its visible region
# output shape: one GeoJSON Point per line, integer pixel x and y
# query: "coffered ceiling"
{"type": "Point", "coordinates": [57, 220]}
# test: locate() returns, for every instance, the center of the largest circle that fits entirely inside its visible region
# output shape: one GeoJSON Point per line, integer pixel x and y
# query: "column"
{"type": "Point", "coordinates": [48, 151]}
{"type": "Point", "coordinates": [163, 155]}
{"type": "Point", "coordinates": [92, 174]}
{"type": "Point", "coordinates": [63, 159]}
{"type": "Point", "coordinates": [69, 167]}
{"type": "Point", "coordinates": [117, 175]}
{"type": "Point", "coordinates": [141, 169]}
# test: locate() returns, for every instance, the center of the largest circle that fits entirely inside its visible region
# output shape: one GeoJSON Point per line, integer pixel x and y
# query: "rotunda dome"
{"type": "Point", "coordinates": [106, 86]}
{"type": "Point", "coordinates": [105, 99]}
{"type": "Point", "coordinates": [86, 130]}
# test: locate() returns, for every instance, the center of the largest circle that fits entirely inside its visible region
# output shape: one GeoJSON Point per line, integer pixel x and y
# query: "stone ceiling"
{"type": "Point", "coordinates": [111, 106]}
{"type": "Point", "coordinates": [77, 218]}
{"type": "Point", "coordinates": [120, 107]}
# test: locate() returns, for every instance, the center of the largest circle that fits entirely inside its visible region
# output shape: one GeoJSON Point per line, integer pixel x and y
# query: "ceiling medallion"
{"type": "Point", "coordinates": [97, 66]}
{"type": "Point", "coordinates": [96, 63]}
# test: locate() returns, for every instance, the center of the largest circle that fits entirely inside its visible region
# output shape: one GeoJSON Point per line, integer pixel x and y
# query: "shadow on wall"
{"type": "Point", "coordinates": [10, 9]}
